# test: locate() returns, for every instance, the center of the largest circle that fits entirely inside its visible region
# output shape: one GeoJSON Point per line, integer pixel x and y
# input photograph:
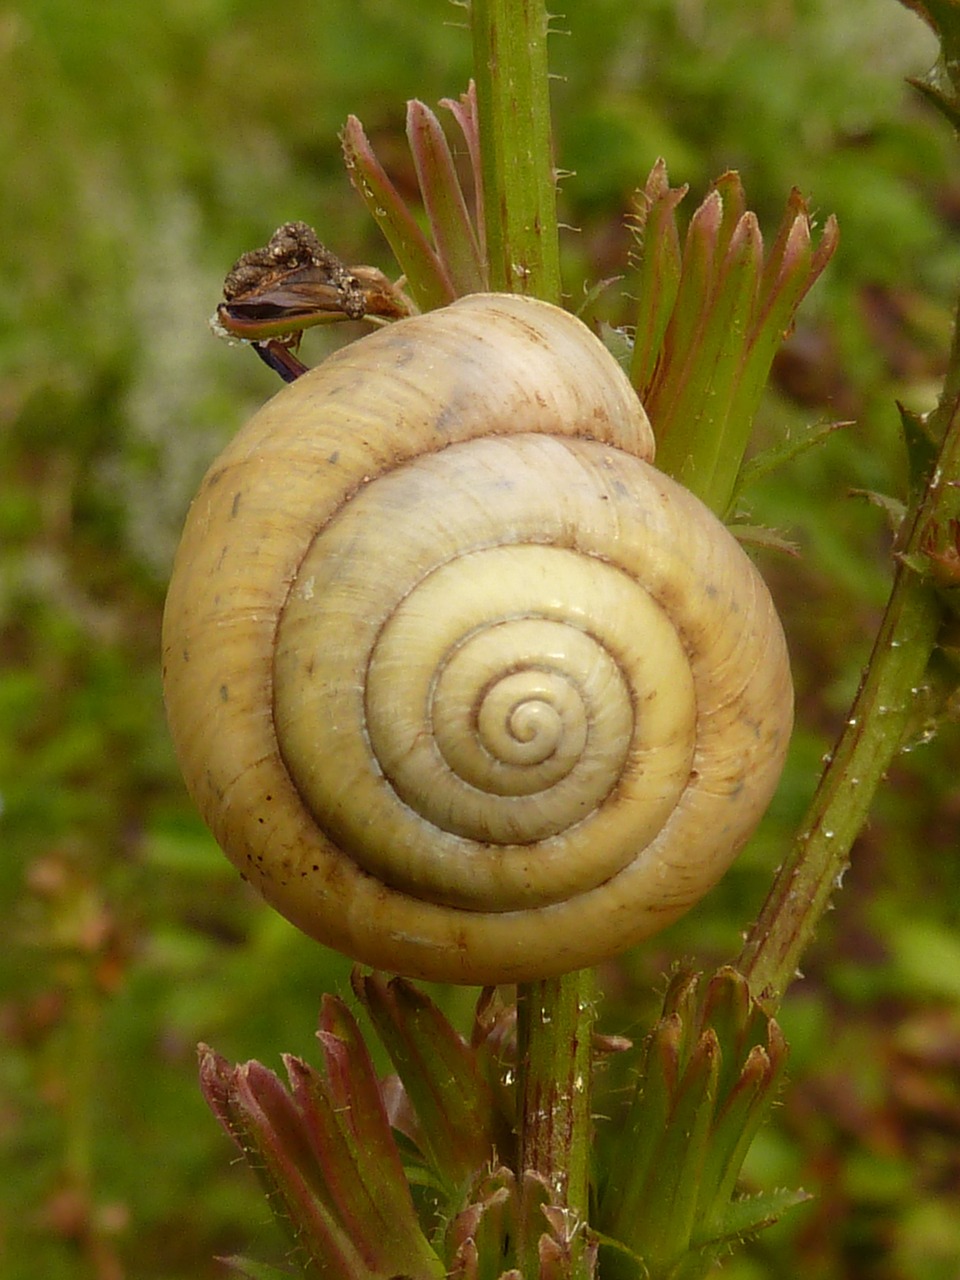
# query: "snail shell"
{"type": "Point", "coordinates": [462, 684]}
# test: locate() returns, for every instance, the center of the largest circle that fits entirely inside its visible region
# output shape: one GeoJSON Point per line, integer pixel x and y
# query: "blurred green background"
{"type": "Point", "coordinates": [143, 147]}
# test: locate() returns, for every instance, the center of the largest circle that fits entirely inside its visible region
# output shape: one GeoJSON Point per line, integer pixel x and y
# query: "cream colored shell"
{"type": "Point", "coordinates": [461, 683]}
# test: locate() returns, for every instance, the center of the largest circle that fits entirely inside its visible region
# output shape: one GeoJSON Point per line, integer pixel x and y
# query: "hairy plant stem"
{"type": "Point", "coordinates": [513, 101]}
{"type": "Point", "coordinates": [874, 732]}
{"type": "Point", "coordinates": [554, 1029]}
{"type": "Point", "coordinates": [555, 1016]}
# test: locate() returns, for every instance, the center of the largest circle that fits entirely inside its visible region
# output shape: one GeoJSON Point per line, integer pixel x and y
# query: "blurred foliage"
{"type": "Point", "coordinates": [144, 146]}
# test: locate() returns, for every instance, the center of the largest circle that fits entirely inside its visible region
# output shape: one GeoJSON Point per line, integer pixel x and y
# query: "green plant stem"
{"type": "Point", "coordinates": [873, 735]}
{"type": "Point", "coordinates": [555, 1016]}
{"type": "Point", "coordinates": [519, 183]}
{"type": "Point", "coordinates": [554, 1029]}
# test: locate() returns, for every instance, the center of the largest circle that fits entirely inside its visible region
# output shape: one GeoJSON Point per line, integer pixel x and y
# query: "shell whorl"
{"type": "Point", "coordinates": [462, 684]}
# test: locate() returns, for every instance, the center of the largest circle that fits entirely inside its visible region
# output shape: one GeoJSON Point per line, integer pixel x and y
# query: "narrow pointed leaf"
{"type": "Point", "coordinates": [746, 1100]}
{"type": "Point", "coordinates": [921, 447]}
{"type": "Point", "coordinates": [743, 1113]}
{"type": "Point", "coordinates": [453, 233]}
{"type": "Point", "coordinates": [697, 276]}
{"type": "Point", "coordinates": [792, 268]}
{"type": "Point", "coordinates": [761, 539]}
{"type": "Point", "coordinates": [780, 294]}
{"type": "Point", "coordinates": [701, 383]}
{"type": "Point", "coordinates": [793, 265]}
{"type": "Point", "coordinates": [944, 102]}
{"type": "Point", "coordinates": [681, 1001]}
{"type": "Point", "coordinates": [727, 1008]}
{"type": "Point", "coordinates": [255, 1270]}
{"type": "Point", "coordinates": [617, 1262]}
{"type": "Point", "coordinates": [426, 279]}
{"type": "Point", "coordinates": [783, 452]}
{"type": "Point", "coordinates": [703, 437]}
{"type": "Point", "coordinates": [631, 1163]}
{"type": "Point", "coordinates": [265, 1123]}
{"type": "Point", "coordinates": [784, 248]}
{"type": "Point", "coordinates": [746, 1217]}
{"type": "Point", "coordinates": [371, 1201]}
{"type": "Point", "coordinates": [680, 998]}
{"type": "Point", "coordinates": [273, 1143]}
{"type": "Point", "coordinates": [826, 247]}
{"type": "Point", "coordinates": [775, 317]}
{"type": "Point", "coordinates": [663, 1232]}
{"type": "Point", "coordinates": [660, 257]}
{"type": "Point", "coordinates": [464, 111]}
{"type": "Point", "coordinates": [730, 189]}
{"type": "Point", "coordinates": [216, 1079]}
{"type": "Point", "coordinates": [449, 1094]}
{"type": "Point", "coordinates": [352, 1084]}
{"type": "Point", "coordinates": [732, 1134]}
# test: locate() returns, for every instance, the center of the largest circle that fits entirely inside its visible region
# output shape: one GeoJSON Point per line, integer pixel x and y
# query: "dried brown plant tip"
{"type": "Point", "coordinates": [294, 272]}
{"type": "Point", "coordinates": [292, 283]}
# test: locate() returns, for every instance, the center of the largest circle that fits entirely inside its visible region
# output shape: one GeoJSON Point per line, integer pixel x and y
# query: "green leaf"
{"type": "Point", "coordinates": [464, 111]}
{"type": "Point", "coordinates": [371, 1201]}
{"type": "Point", "coordinates": [453, 1101]}
{"type": "Point", "coordinates": [617, 1262]}
{"type": "Point", "coordinates": [792, 267]}
{"type": "Point", "coordinates": [922, 448]}
{"type": "Point", "coordinates": [255, 1270]}
{"type": "Point", "coordinates": [266, 1125]}
{"type": "Point", "coordinates": [453, 232]}
{"type": "Point", "coordinates": [426, 280]}
{"type": "Point", "coordinates": [694, 294]}
{"type": "Point", "coordinates": [680, 998]}
{"type": "Point", "coordinates": [739, 1117]}
{"type": "Point", "coordinates": [945, 103]}
{"type": "Point", "coordinates": [784, 451]}
{"type": "Point", "coordinates": [354, 1093]}
{"type": "Point", "coordinates": [349, 1213]}
{"type": "Point", "coordinates": [730, 190]}
{"type": "Point", "coordinates": [731, 312]}
{"type": "Point", "coordinates": [892, 508]}
{"type": "Point", "coordinates": [728, 1009]}
{"type": "Point", "coordinates": [751, 1214]}
{"type": "Point", "coordinates": [664, 1227]}
{"type": "Point", "coordinates": [710, 431]}
{"type": "Point", "coordinates": [660, 257]}
{"type": "Point", "coordinates": [753, 535]}
{"type": "Point", "coordinates": [631, 1162]}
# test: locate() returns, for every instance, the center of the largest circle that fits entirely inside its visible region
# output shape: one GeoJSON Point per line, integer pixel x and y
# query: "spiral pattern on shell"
{"type": "Point", "coordinates": [460, 682]}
